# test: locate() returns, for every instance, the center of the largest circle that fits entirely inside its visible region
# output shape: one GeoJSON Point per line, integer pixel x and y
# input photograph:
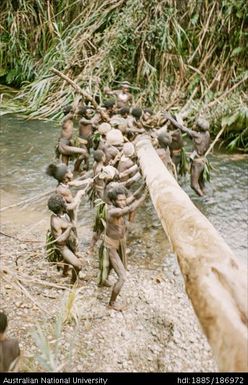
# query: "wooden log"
{"type": "Point", "coordinates": [215, 280]}
{"type": "Point", "coordinates": [75, 86]}
{"type": "Point", "coordinates": [81, 92]}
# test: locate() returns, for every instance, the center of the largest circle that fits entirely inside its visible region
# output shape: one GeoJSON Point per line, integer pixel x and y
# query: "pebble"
{"type": "Point", "coordinates": [142, 332]}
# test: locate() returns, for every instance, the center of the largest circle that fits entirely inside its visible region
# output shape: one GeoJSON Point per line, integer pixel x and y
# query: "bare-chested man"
{"type": "Point", "coordinates": [64, 177]}
{"type": "Point", "coordinates": [99, 163]}
{"type": "Point", "coordinates": [201, 142]}
{"type": "Point", "coordinates": [164, 141]}
{"type": "Point", "coordinates": [62, 229]}
{"type": "Point", "coordinates": [9, 348]}
{"type": "Point", "coordinates": [103, 181]}
{"type": "Point", "coordinates": [64, 147]}
{"type": "Point", "coordinates": [103, 114]}
{"type": "Point", "coordinates": [115, 235]}
{"type": "Point", "coordinates": [127, 158]}
{"type": "Point", "coordinates": [123, 97]}
{"type": "Point", "coordinates": [85, 140]}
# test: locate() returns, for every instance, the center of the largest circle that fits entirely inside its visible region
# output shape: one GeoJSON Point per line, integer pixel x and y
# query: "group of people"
{"type": "Point", "coordinates": [106, 169]}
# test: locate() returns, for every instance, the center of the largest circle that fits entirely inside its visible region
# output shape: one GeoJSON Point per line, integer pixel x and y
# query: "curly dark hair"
{"type": "Point", "coordinates": [115, 191]}
{"type": "Point", "coordinates": [67, 109]}
{"type": "Point", "coordinates": [56, 203]}
{"type": "Point", "coordinates": [109, 103]}
{"type": "Point", "coordinates": [136, 112]}
{"type": "Point", "coordinates": [57, 171]}
{"type": "Point", "coordinates": [3, 322]}
{"type": "Point", "coordinates": [124, 110]}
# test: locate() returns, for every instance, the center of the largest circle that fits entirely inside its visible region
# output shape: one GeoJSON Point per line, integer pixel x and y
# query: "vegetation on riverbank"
{"type": "Point", "coordinates": [169, 50]}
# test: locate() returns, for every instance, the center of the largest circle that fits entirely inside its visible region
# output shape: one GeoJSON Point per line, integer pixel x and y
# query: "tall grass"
{"type": "Point", "coordinates": [165, 47]}
{"type": "Point", "coordinates": [49, 356]}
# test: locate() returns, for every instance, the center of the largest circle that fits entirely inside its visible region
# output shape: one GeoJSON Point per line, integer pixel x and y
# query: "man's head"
{"type": "Point", "coordinates": [125, 86]}
{"type": "Point", "coordinates": [137, 113]}
{"type": "Point", "coordinates": [3, 322]}
{"type": "Point", "coordinates": [56, 204]}
{"type": "Point", "coordinates": [118, 196]}
{"type": "Point", "coordinates": [147, 113]}
{"type": "Point", "coordinates": [202, 124]}
{"type": "Point", "coordinates": [109, 104]}
{"type": "Point", "coordinates": [86, 112]}
{"type": "Point", "coordinates": [67, 109]}
{"type": "Point", "coordinates": [124, 112]}
{"type": "Point", "coordinates": [99, 156]}
{"type": "Point", "coordinates": [60, 172]}
{"type": "Point", "coordinates": [164, 139]}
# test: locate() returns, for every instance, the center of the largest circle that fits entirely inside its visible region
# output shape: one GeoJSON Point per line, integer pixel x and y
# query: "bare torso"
{"type": "Point", "coordinates": [201, 142]}
{"type": "Point", "coordinates": [9, 352]}
{"type": "Point", "coordinates": [116, 226]}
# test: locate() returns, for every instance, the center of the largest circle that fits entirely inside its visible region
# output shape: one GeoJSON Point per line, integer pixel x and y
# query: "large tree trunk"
{"type": "Point", "coordinates": [215, 280]}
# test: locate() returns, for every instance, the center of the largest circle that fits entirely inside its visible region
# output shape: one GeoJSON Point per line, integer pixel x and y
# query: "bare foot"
{"type": "Point", "coordinates": [116, 307]}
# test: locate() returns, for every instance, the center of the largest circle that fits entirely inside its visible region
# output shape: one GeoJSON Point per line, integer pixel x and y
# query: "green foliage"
{"type": "Point", "coordinates": [101, 216]}
{"type": "Point", "coordinates": [49, 339]}
{"type": "Point", "coordinates": [168, 48]}
{"type": "Point", "coordinates": [207, 171]}
{"type": "Point", "coordinates": [235, 122]}
{"type": "Point", "coordinates": [184, 163]}
{"type": "Point", "coordinates": [52, 253]}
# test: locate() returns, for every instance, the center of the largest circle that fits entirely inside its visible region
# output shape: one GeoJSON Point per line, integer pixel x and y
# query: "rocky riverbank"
{"type": "Point", "coordinates": [74, 330]}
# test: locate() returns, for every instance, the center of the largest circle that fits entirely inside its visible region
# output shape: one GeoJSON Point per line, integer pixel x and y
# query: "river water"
{"type": "Point", "coordinates": [27, 147]}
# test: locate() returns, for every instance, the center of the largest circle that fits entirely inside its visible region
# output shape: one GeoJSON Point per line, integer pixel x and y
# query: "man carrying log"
{"type": "Point", "coordinates": [112, 251]}
{"type": "Point", "coordinates": [85, 142]}
{"type": "Point", "coordinates": [64, 148]}
{"type": "Point", "coordinates": [64, 177]}
{"type": "Point", "coordinates": [63, 235]}
{"type": "Point", "coordinates": [163, 151]}
{"type": "Point", "coordinates": [201, 142]}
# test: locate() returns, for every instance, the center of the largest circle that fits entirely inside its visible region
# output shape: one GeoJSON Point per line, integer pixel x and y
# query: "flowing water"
{"type": "Point", "coordinates": [27, 147]}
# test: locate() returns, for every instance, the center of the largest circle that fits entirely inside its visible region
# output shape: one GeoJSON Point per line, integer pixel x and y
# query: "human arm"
{"type": "Point", "coordinates": [136, 194]}
{"type": "Point", "coordinates": [188, 131]}
{"type": "Point", "coordinates": [129, 171]}
{"type": "Point", "coordinates": [131, 180]}
{"type": "Point", "coordinates": [76, 103]}
{"type": "Point", "coordinates": [138, 202]}
{"type": "Point", "coordinates": [108, 91]}
{"type": "Point", "coordinates": [135, 130]}
{"type": "Point", "coordinates": [57, 230]}
{"type": "Point", "coordinates": [76, 200]}
{"type": "Point", "coordinates": [112, 162]}
{"type": "Point", "coordinates": [81, 182]}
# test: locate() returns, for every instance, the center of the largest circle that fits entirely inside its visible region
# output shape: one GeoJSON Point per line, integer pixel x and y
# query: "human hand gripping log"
{"type": "Point", "coordinates": [114, 241]}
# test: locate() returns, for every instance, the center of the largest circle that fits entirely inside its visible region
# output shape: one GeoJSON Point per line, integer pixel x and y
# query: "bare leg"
{"type": "Point", "coordinates": [65, 159]}
{"type": "Point", "coordinates": [77, 163]}
{"type": "Point", "coordinates": [201, 182]}
{"type": "Point", "coordinates": [94, 239]}
{"type": "Point", "coordinates": [121, 272]}
{"type": "Point", "coordinates": [72, 260]}
{"type": "Point", "coordinates": [65, 270]}
{"type": "Point", "coordinates": [195, 172]}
